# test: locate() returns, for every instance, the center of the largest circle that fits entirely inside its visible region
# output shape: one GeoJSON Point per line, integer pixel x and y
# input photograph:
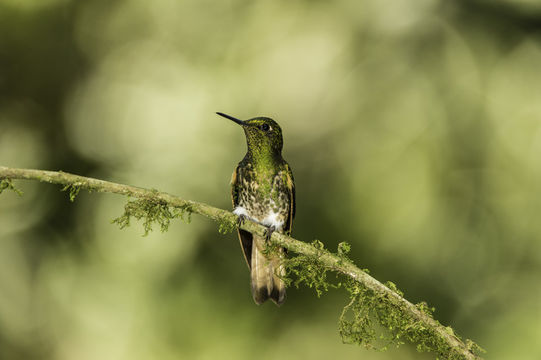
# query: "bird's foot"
{"type": "Point", "coordinates": [241, 219]}
{"type": "Point", "coordinates": [269, 231]}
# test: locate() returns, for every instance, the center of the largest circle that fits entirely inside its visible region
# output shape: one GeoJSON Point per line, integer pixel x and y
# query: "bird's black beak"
{"type": "Point", "coordinates": [240, 122]}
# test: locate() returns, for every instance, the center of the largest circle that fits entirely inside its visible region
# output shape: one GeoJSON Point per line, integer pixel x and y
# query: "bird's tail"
{"type": "Point", "coordinates": [264, 275]}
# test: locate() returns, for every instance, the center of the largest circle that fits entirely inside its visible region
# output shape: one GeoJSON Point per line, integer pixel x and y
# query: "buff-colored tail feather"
{"type": "Point", "coordinates": [265, 281]}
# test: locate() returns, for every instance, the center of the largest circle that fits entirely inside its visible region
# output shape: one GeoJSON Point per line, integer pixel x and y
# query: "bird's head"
{"type": "Point", "coordinates": [263, 135]}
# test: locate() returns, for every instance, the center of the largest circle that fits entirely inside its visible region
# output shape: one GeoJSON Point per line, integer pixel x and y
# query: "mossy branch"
{"type": "Point", "coordinates": [373, 305]}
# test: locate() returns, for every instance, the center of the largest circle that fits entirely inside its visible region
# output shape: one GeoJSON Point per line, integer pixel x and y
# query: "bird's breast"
{"type": "Point", "coordinates": [265, 201]}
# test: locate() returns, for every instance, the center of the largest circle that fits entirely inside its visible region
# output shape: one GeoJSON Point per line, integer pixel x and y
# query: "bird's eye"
{"type": "Point", "coordinates": [265, 127]}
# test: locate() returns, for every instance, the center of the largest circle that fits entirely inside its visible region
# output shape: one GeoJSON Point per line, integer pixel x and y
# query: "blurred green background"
{"type": "Point", "coordinates": [413, 129]}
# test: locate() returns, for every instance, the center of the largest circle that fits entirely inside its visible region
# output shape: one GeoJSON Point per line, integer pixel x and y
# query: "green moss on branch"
{"type": "Point", "coordinates": [151, 211]}
{"type": "Point", "coordinates": [376, 316]}
{"type": "Point", "coordinates": [7, 184]}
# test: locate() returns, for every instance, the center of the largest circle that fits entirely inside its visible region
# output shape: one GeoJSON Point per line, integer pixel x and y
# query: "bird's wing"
{"type": "Point", "coordinates": [290, 183]}
{"type": "Point", "coordinates": [244, 236]}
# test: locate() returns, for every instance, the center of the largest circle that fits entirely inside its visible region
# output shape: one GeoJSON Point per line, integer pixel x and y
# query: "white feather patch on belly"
{"type": "Point", "coordinates": [239, 210]}
{"type": "Point", "coordinates": [272, 220]}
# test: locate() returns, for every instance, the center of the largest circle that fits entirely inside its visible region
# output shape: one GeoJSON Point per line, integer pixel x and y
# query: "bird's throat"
{"type": "Point", "coordinates": [265, 163]}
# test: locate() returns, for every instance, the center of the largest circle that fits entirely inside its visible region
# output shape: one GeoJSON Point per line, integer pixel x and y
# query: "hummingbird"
{"type": "Point", "coordinates": [263, 190]}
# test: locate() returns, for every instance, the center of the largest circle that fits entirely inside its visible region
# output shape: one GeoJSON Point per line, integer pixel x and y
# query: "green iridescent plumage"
{"type": "Point", "coordinates": [263, 190]}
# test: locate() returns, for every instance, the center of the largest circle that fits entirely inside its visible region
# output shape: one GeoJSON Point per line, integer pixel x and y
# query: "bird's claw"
{"type": "Point", "coordinates": [240, 220]}
{"type": "Point", "coordinates": [269, 231]}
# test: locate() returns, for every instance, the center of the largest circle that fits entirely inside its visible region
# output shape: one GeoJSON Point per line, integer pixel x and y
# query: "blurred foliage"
{"type": "Point", "coordinates": [412, 129]}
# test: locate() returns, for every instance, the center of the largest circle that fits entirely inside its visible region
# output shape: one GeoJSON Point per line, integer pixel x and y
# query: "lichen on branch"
{"type": "Point", "coordinates": [376, 316]}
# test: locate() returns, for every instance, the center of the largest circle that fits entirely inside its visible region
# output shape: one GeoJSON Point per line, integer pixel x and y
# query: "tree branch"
{"type": "Point", "coordinates": [444, 341]}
